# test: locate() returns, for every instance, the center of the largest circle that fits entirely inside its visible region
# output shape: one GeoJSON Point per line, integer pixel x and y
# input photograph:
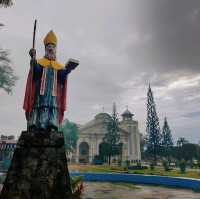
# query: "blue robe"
{"type": "Point", "coordinates": [45, 107]}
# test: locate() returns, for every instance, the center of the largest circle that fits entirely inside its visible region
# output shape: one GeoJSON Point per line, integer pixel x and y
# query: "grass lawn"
{"type": "Point", "coordinates": [157, 171]}
{"type": "Point", "coordinates": [174, 173]}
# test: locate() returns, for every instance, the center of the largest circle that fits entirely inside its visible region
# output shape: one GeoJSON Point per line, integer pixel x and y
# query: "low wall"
{"type": "Point", "coordinates": [141, 179]}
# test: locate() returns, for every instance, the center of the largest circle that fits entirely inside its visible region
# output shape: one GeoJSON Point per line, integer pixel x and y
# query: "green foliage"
{"type": "Point", "coordinates": [152, 127]}
{"type": "Point", "coordinates": [166, 141]}
{"type": "Point", "coordinates": [104, 149]}
{"type": "Point", "coordinates": [198, 164]}
{"type": "Point", "coordinates": [76, 186]}
{"type": "Point", "coordinates": [111, 146]}
{"type": "Point", "coordinates": [166, 136]}
{"type": "Point", "coordinates": [181, 141]}
{"type": "Point", "coordinates": [139, 164]}
{"type": "Point", "coordinates": [166, 165]}
{"type": "Point", "coordinates": [152, 165]}
{"type": "Point", "coordinates": [182, 166]}
{"type": "Point", "coordinates": [187, 152]}
{"type": "Point", "coordinates": [70, 132]}
{"type": "Point", "coordinates": [191, 164]}
{"type": "Point", "coordinates": [75, 181]}
{"type": "Point", "coordinates": [7, 77]}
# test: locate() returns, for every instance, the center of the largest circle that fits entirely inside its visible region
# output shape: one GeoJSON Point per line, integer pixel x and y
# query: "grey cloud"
{"type": "Point", "coordinates": [121, 45]}
{"type": "Point", "coordinates": [192, 115]}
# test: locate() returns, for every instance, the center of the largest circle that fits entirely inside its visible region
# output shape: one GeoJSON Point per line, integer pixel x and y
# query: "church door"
{"type": "Point", "coordinates": [84, 152]}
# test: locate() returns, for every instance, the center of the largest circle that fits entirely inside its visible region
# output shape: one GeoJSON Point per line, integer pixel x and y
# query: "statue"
{"type": "Point", "coordinates": [45, 95]}
{"type": "Point", "coordinates": [39, 164]}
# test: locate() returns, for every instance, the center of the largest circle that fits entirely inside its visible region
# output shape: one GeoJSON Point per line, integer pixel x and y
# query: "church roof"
{"type": "Point", "coordinates": [98, 119]}
{"type": "Point", "coordinates": [127, 113]}
{"type": "Point", "coordinates": [102, 116]}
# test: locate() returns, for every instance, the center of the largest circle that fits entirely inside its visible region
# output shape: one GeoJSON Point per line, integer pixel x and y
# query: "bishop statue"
{"type": "Point", "coordinates": [46, 87]}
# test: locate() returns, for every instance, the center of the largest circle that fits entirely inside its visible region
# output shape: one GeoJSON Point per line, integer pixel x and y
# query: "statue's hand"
{"type": "Point", "coordinates": [32, 53]}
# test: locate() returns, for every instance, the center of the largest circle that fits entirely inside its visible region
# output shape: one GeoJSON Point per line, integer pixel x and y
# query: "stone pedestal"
{"type": "Point", "coordinates": [39, 168]}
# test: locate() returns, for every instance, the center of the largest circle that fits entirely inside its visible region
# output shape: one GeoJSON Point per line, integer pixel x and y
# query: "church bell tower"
{"type": "Point", "coordinates": [131, 126]}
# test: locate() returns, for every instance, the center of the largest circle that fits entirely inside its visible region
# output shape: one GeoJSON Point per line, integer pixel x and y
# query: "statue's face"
{"type": "Point", "coordinates": [50, 51]}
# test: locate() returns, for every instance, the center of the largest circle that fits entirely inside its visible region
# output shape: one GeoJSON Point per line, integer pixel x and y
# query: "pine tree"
{"type": "Point", "coordinates": [166, 139]}
{"type": "Point", "coordinates": [112, 137]}
{"type": "Point", "coordinates": [153, 127]}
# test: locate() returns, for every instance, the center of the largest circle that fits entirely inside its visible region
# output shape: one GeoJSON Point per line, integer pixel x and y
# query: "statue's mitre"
{"type": "Point", "coordinates": [50, 38]}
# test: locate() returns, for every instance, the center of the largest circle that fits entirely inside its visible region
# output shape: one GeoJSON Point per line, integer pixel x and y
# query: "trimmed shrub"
{"type": "Point", "coordinates": [182, 166]}
{"type": "Point", "coordinates": [152, 165]}
{"type": "Point", "coordinates": [166, 165]}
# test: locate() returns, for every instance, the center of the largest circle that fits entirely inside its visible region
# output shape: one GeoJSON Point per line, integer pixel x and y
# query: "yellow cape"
{"type": "Point", "coordinates": [46, 62]}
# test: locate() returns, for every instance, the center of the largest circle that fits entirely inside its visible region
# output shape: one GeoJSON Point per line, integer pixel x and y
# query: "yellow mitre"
{"type": "Point", "coordinates": [50, 38]}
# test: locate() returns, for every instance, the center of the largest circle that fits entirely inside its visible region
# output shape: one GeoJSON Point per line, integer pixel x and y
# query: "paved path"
{"type": "Point", "coordinates": [97, 190]}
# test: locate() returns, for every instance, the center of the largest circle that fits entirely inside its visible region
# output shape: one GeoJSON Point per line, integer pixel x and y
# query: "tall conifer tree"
{"type": "Point", "coordinates": [166, 135]}
{"type": "Point", "coordinates": [152, 127]}
{"type": "Point", "coordinates": [112, 137]}
{"type": "Point", "coordinates": [166, 139]}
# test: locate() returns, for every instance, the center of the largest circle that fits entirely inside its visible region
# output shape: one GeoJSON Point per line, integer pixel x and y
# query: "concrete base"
{"type": "Point", "coordinates": [39, 168]}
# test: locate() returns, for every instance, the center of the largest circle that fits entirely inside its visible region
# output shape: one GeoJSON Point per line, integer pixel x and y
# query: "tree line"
{"type": "Point", "coordinates": [158, 144]}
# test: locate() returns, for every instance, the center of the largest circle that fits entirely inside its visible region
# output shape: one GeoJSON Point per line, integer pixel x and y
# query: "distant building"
{"type": "Point", "coordinates": [7, 147]}
{"type": "Point", "coordinates": [90, 137]}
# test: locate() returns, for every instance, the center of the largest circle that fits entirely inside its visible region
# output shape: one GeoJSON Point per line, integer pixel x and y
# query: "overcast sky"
{"type": "Point", "coordinates": [122, 45]}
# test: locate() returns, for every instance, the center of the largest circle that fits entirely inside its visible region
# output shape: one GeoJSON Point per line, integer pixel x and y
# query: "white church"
{"type": "Point", "coordinates": [90, 137]}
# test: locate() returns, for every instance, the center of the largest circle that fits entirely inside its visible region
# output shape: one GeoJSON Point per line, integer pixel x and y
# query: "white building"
{"type": "Point", "coordinates": [91, 136]}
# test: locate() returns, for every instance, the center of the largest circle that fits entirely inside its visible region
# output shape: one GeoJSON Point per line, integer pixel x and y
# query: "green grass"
{"type": "Point", "coordinates": [157, 171]}
{"type": "Point", "coordinates": [173, 173]}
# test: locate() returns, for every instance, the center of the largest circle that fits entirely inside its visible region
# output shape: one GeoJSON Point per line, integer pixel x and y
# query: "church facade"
{"type": "Point", "coordinates": [92, 133]}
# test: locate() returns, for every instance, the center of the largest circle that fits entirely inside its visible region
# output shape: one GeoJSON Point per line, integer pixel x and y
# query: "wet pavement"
{"type": "Point", "coordinates": [97, 190]}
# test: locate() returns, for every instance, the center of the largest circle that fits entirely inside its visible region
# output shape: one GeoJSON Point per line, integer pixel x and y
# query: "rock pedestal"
{"type": "Point", "coordinates": [39, 168]}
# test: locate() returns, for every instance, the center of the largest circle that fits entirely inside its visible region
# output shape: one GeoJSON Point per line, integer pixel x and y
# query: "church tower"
{"type": "Point", "coordinates": [131, 126]}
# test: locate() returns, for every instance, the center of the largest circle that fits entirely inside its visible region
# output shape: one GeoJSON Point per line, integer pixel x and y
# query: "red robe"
{"type": "Point", "coordinates": [30, 93]}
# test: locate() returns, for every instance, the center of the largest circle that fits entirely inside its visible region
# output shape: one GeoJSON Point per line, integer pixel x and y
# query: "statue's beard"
{"type": "Point", "coordinates": [50, 55]}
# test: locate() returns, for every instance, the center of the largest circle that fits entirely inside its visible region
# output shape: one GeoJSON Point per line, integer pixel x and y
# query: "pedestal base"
{"type": "Point", "coordinates": [38, 169]}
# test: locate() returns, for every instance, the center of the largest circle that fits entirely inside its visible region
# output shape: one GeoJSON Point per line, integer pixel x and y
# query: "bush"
{"type": "Point", "coordinates": [182, 166]}
{"type": "Point", "coordinates": [128, 162]}
{"type": "Point", "coordinates": [166, 165]}
{"type": "Point", "coordinates": [136, 167]}
{"type": "Point", "coordinates": [97, 160]}
{"type": "Point", "coordinates": [198, 164]}
{"type": "Point", "coordinates": [152, 165]}
{"type": "Point", "coordinates": [191, 164]}
{"type": "Point", "coordinates": [76, 187]}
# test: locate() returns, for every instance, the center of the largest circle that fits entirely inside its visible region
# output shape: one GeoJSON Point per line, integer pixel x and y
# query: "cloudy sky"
{"type": "Point", "coordinates": [121, 46]}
